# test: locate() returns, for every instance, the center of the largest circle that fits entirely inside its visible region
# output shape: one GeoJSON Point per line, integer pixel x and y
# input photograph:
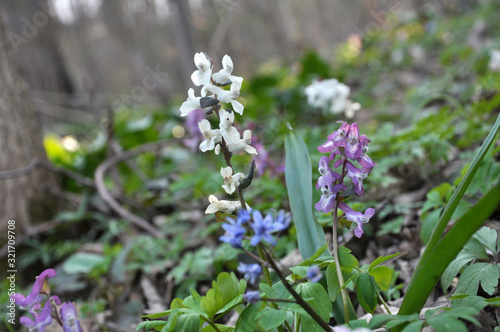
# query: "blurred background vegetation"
{"type": "Point", "coordinates": [419, 70]}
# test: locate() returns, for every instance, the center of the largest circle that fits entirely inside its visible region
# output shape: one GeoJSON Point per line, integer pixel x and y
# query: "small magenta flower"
{"type": "Point", "coordinates": [329, 191]}
{"type": "Point", "coordinates": [314, 274]}
{"type": "Point", "coordinates": [252, 297]}
{"type": "Point", "coordinates": [68, 316]}
{"type": "Point", "coordinates": [251, 271]}
{"type": "Point", "coordinates": [353, 146]}
{"type": "Point", "coordinates": [34, 297]}
{"type": "Point", "coordinates": [42, 319]}
{"type": "Point", "coordinates": [357, 217]}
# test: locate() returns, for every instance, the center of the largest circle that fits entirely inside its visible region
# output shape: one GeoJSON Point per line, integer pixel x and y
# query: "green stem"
{"type": "Point", "coordinates": [212, 324]}
{"type": "Point", "coordinates": [340, 277]}
{"type": "Point", "coordinates": [314, 315]}
{"type": "Point", "coordinates": [265, 269]}
{"type": "Point", "coordinates": [383, 302]}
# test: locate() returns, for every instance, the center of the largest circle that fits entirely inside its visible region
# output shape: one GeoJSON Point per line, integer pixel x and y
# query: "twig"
{"type": "Point", "coordinates": [108, 198]}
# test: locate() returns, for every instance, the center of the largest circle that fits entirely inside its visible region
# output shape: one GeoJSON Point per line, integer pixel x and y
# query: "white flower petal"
{"type": "Point", "coordinates": [227, 63]}
{"type": "Point", "coordinates": [237, 107]}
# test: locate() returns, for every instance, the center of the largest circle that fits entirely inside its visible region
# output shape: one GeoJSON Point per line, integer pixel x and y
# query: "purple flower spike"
{"type": "Point", "coordinates": [357, 217]}
{"type": "Point", "coordinates": [41, 320]}
{"type": "Point", "coordinates": [252, 297]}
{"type": "Point", "coordinates": [34, 297]}
{"type": "Point", "coordinates": [68, 316]}
{"type": "Point", "coordinates": [251, 271]}
{"type": "Point", "coordinates": [357, 176]}
{"type": "Point", "coordinates": [314, 274]}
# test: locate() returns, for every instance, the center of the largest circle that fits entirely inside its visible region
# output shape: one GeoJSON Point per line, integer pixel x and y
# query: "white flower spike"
{"type": "Point", "coordinates": [224, 75]}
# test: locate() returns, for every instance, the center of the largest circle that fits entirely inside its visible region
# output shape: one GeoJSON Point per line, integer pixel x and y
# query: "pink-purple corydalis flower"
{"type": "Point", "coordinates": [68, 317]}
{"type": "Point", "coordinates": [34, 297]}
{"type": "Point", "coordinates": [357, 217]}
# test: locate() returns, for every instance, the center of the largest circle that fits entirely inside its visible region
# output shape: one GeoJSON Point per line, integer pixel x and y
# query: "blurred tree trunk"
{"type": "Point", "coordinates": [27, 199]}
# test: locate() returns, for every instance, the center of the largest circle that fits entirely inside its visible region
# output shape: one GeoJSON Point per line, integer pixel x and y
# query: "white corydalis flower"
{"type": "Point", "coordinates": [225, 74]}
{"type": "Point", "coordinates": [228, 96]}
{"type": "Point", "coordinates": [222, 206]}
{"type": "Point", "coordinates": [204, 73]}
{"type": "Point", "coordinates": [231, 182]}
{"type": "Point", "coordinates": [239, 145]}
{"type": "Point", "coordinates": [192, 103]}
{"type": "Point", "coordinates": [212, 136]}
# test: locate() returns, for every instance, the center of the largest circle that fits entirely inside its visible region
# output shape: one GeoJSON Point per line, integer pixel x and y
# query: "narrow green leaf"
{"type": "Point", "coordinates": [366, 292]}
{"type": "Point", "coordinates": [310, 235]}
{"type": "Point", "coordinates": [382, 276]}
{"type": "Point", "coordinates": [311, 260]}
{"type": "Point", "coordinates": [381, 260]}
{"type": "Point", "coordinates": [414, 327]}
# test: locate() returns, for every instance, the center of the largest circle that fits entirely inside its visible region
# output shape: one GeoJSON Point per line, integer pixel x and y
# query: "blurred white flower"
{"type": "Point", "coordinates": [331, 95]}
{"type": "Point", "coordinates": [212, 136]}
{"type": "Point", "coordinates": [204, 73]}
{"type": "Point", "coordinates": [222, 206]}
{"type": "Point", "coordinates": [494, 64]}
{"type": "Point", "coordinates": [236, 145]}
{"type": "Point", "coordinates": [231, 182]}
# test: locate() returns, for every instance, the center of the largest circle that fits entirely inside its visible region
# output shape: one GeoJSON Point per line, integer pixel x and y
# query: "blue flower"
{"type": "Point", "coordinates": [252, 297]}
{"type": "Point", "coordinates": [314, 274]}
{"type": "Point", "coordinates": [234, 232]}
{"type": "Point", "coordinates": [251, 271]}
{"type": "Point", "coordinates": [262, 227]}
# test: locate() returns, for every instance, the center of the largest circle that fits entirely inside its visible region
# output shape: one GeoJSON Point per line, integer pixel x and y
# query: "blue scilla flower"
{"type": "Point", "coordinates": [252, 297]}
{"type": "Point", "coordinates": [264, 226]}
{"type": "Point", "coordinates": [234, 228]}
{"type": "Point", "coordinates": [251, 271]}
{"type": "Point", "coordinates": [314, 274]}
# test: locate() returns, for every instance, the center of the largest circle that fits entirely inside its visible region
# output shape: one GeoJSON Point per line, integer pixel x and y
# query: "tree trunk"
{"type": "Point", "coordinates": [27, 199]}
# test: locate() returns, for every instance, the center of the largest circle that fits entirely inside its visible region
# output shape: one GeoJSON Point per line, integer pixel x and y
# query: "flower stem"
{"type": "Point", "coordinates": [314, 315]}
{"type": "Point", "coordinates": [335, 243]}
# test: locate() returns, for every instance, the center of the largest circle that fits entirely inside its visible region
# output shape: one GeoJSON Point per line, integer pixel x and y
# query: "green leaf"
{"type": "Point", "coordinates": [347, 260]}
{"type": "Point", "coordinates": [382, 276]}
{"type": "Point", "coordinates": [317, 297]}
{"type": "Point", "coordinates": [188, 322]}
{"type": "Point", "coordinates": [301, 271]}
{"type": "Point", "coordinates": [223, 291]}
{"type": "Point", "coordinates": [484, 273]}
{"type": "Point", "coordinates": [488, 237]}
{"type": "Point", "coordinates": [247, 321]}
{"type": "Point", "coordinates": [414, 327]}
{"type": "Point", "coordinates": [381, 260]}
{"type": "Point", "coordinates": [270, 318]}
{"type": "Point", "coordinates": [447, 324]}
{"type": "Point", "coordinates": [310, 235]}
{"type": "Point", "coordinates": [310, 261]}
{"type": "Point", "coordinates": [151, 325]}
{"type": "Point", "coordinates": [82, 262]}
{"type": "Point", "coordinates": [332, 281]}
{"type": "Point", "coordinates": [366, 292]}
{"type": "Point", "coordinates": [452, 270]}
{"type": "Point", "coordinates": [220, 327]}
